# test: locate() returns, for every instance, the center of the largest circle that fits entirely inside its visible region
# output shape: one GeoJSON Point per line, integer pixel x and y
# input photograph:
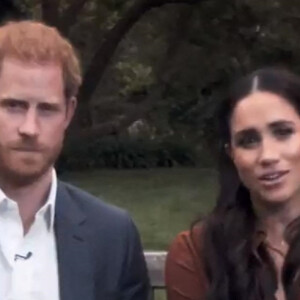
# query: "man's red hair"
{"type": "Point", "coordinates": [36, 42]}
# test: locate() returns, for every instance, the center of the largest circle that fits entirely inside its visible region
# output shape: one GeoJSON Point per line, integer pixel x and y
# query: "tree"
{"type": "Point", "coordinates": [64, 19]}
{"type": "Point", "coordinates": [104, 53]}
{"type": "Point", "coordinates": [177, 84]}
{"type": "Point", "coordinates": [9, 9]}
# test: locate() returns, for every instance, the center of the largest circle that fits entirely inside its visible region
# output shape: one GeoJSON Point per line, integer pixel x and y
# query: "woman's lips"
{"type": "Point", "coordinates": [273, 178]}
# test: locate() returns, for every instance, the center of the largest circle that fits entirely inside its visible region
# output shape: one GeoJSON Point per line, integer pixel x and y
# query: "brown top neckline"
{"type": "Point", "coordinates": [260, 236]}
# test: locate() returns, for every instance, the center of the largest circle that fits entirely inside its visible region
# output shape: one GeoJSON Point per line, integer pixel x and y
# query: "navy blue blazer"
{"type": "Point", "coordinates": [98, 247]}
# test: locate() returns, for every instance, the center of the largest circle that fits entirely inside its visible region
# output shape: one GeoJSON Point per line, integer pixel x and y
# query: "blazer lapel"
{"type": "Point", "coordinates": [74, 265]}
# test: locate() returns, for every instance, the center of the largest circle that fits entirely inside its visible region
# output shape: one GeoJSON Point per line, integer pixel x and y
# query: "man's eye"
{"type": "Point", "coordinates": [13, 105]}
{"type": "Point", "coordinates": [47, 107]}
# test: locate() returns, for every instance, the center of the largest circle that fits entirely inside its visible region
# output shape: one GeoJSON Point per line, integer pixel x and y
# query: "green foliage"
{"type": "Point", "coordinates": [125, 153]}
{"type": "Point", "coordinates": [135, 77]}
{"type": "Point", "coordinates": [179, 59]}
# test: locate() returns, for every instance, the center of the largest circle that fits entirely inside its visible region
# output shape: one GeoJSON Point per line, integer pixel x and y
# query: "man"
{"type": "Point", "coordinates": [56, 241]}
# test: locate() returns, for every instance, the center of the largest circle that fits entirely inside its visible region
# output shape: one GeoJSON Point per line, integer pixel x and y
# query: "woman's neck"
{"type": "Point", "coordinates": [274, 218]}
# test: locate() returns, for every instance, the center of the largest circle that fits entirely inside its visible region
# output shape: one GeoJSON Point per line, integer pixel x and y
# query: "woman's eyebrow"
{"type": "Point", "coordinates": [249, 130]}
{"type": "Point", "coordinates": [280, 123]}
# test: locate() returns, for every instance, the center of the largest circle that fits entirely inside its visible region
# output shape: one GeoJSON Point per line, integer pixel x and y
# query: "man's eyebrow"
{"type": "Point", "coordinates": [38, 101]}
{"type": "Point", "coordinates": [50, 105]}
{"type": "Point", "coordinates": [12, 99]}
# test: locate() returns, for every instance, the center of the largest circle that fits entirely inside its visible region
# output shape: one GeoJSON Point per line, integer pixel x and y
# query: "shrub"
{"type": "Point", "coordinates": [125, 153]}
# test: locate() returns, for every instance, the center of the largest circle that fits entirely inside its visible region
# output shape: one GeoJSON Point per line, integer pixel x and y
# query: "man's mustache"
{"type": "Point", "coordinates": [27, 147]}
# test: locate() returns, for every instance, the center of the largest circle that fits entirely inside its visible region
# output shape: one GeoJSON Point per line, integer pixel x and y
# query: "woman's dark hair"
{"type": "Point", "coordinates": [235, 269]}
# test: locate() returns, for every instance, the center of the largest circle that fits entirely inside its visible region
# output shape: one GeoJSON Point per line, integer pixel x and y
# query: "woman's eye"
{"type": "Point", "coordinates": [248, 141]}
{"type": "Point", "coordinates": [283, 132]}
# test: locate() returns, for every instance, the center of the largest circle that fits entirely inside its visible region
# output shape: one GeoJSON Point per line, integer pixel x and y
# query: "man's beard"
{"type": "Point", "coordinates": [18, 172]}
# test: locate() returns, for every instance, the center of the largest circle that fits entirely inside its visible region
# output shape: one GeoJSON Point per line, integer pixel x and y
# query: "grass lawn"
{"type": "Point", "coordinates": [162, 202]}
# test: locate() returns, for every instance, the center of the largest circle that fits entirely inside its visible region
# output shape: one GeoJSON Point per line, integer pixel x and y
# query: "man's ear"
{"type": "Point", "coordinates": [70, 110]}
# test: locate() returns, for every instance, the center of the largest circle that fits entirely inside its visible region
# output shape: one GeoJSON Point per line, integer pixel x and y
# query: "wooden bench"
{"type": "Point", "coordinates": [156, 263]}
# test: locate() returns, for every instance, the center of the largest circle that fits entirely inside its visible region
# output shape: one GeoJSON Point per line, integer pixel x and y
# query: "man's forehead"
{"type": "Point", "coordinates": [32, 100]}
{"type": "Point", "coordinates": [24, 71]}
{"type": "Point", "coordinates": [29, 63]}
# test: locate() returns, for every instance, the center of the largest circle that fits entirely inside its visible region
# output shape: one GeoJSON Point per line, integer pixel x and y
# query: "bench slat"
{"type": "Point", "coordinates": [156, 264]}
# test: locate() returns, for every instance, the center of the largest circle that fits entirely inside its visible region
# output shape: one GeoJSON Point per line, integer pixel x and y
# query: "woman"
{"type": "Point", "coordinates": [249, 247]}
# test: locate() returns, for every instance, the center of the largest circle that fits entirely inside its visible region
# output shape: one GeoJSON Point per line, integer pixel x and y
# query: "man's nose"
{"type": "Point", "coordinates": [29, 126]}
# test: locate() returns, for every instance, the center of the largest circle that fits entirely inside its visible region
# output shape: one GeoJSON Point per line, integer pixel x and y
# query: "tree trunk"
{"type": "Point", "coordinates": [105, 52]}
{"type": "Point", "coordinates": [144, 102]}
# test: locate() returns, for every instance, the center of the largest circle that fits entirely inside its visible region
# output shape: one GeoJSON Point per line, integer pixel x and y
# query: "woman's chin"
{"type": "Point", "coordinates": [277, 198]}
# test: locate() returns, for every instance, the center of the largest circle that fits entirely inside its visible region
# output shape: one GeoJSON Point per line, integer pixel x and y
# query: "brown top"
{"type": "Point", "coordinates": [184, 272]}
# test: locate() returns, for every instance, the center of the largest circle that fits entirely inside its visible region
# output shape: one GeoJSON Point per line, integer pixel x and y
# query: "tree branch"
{"type": "Point", "coordinates": [105, 52]}
{"type": "Point", "coordinates": [70, 15]}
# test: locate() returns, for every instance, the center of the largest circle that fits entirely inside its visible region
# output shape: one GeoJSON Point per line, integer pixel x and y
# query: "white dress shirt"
{"type": "Point", "coordinates": [28, 264]}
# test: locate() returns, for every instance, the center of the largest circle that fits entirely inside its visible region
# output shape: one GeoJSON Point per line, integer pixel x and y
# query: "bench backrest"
{"type": "Point", "coordinates": [156, 264]}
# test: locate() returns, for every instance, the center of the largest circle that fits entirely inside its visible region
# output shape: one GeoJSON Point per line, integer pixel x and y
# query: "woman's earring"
{"type": "Point", "coordinates": [227, 149]}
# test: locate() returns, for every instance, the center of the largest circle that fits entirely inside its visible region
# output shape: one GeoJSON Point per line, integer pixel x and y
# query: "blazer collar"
{"type": "Point", "coordinates": [74, 262]}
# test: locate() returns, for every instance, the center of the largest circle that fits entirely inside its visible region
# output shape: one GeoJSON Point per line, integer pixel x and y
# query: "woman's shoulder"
{"type": "Point", "coordinates": [184, 273]}
{"type": "Point", "coordinates": [186, 246]}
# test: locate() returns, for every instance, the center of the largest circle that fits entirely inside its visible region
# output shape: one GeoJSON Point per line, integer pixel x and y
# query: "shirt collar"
{"type": "Point", "coordinates": [48, 209]}
{"type": "Point", "coordinates": [2, 196]}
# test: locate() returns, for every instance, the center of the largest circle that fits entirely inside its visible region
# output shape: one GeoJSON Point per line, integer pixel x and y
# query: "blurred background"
{"type": "Point", "coordinates": [154, 73]}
